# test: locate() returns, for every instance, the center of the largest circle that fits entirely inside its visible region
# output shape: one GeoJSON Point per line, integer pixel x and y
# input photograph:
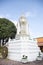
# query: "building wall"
{"type": "Point", "coordinates": [40, 43]}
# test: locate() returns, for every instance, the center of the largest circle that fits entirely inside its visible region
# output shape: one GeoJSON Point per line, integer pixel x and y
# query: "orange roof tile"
{"type": "Point", "coordinates": [40, 40]}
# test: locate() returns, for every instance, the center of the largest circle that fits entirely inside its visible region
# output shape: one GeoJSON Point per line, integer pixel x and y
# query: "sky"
{"type": "Point", "coordinates": [32, 9]}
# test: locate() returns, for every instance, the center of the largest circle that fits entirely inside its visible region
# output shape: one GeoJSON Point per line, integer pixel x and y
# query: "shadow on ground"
{"type": "Point", "coordinates": [11, 62]}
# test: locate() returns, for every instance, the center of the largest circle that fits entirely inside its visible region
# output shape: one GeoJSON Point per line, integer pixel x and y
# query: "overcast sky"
{"type": "Point", "coordinates": [33, 10]}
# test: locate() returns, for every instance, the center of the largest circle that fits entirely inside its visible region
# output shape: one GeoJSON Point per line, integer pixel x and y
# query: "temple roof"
{"type": "Point", "coordinates": [40, 41]}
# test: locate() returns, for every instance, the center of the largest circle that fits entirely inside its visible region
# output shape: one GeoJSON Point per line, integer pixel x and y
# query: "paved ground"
{"type": "Point", "coordinates": [10, 62]}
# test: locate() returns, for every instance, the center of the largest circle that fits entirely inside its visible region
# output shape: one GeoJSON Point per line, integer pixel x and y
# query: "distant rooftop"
{"type": "Point", "coordinates": [40, 41]}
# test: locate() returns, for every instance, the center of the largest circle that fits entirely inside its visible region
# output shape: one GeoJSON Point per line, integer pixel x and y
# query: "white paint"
{"type": "Point", "coordinates": [22, 44]}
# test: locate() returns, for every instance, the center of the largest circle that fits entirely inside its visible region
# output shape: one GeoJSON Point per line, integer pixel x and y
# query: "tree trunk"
{"type": "Point", "coordinates": [2, 41]}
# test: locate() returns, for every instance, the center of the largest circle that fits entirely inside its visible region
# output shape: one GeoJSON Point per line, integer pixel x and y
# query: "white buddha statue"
{"type": "Point", "coordinates": [22, 45]}
{"type": "Point", "coordinates": [23, 27]}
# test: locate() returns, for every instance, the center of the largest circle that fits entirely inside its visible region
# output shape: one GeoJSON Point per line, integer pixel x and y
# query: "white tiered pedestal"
{"type": "Point", "coordinates": [18, 48]}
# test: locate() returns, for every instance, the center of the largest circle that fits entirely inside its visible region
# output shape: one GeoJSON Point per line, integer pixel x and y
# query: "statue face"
{"type": "Point", "coordinates": [22, 20]}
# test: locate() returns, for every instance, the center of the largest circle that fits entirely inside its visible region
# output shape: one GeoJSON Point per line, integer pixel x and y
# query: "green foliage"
{"type": "Point", "coordinates": [7, 29]}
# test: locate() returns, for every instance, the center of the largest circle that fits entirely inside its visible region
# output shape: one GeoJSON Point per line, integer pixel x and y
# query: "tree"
{"type": "Point", "coordinates": [7, 29]}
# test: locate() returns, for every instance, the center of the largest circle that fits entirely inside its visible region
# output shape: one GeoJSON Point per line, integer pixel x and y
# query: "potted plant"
{"type": "Point", "coordinates": [24, 59]}
{"type": "Point", "coordinates": [39, 57]}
